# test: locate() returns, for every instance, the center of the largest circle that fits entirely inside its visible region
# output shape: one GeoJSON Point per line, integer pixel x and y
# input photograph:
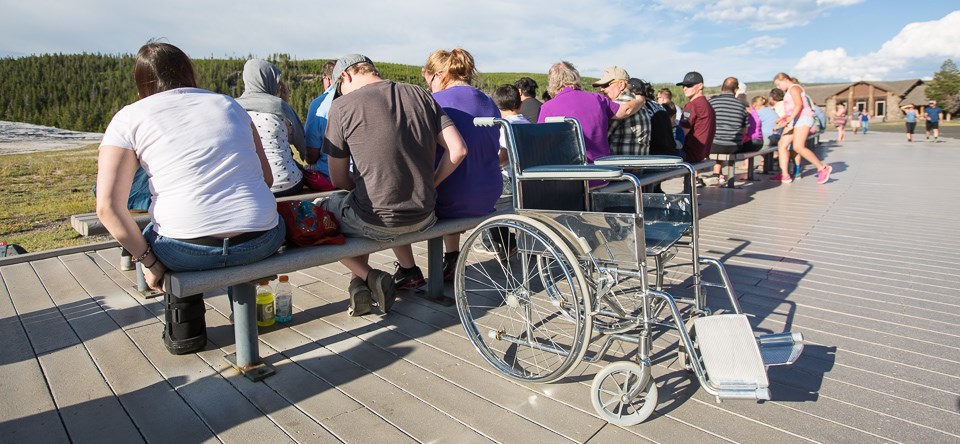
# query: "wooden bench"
{"type": "Point", "coordinates": [242, 279]}
{"type": "Point", "coordinates": [652, 178]}
{"type": "Point", "coordinates": [88, 224]}
{"type": "Point", "coordinates": [732, 159]}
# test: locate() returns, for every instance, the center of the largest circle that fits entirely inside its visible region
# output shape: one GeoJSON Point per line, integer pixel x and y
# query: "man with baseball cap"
{"type": "Point", "coordinates": [932, 114]}
{"type": "Point", "coordinates": [629, 136]}
{"type": "Point", "coordinates": [391, 131]}
{"type": "Point", "coordinates": [698, 121]}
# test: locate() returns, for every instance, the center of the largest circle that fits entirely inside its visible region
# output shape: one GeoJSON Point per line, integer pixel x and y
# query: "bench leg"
{"type": "Point", "coordinates": [731, 172]}
{"type": "Point", "coordinates": [435, 273]}
{"type": "Point", "coordinates": [750, 169]}
{"type": "Point", "coordinates": [126, 260]}
{"type": "Point", "coordinates": [247, 357]}
{"type": "Point", "coordinates": [767, 163]}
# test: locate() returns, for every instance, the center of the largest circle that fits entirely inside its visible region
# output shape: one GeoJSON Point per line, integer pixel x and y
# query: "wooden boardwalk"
{"type": "Point", "coordinates": [867, 267]}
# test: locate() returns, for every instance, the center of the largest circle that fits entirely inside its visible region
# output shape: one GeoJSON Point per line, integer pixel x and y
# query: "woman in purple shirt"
{"type": "Point", "coordinates": [475, 186]}
{"type": "Point", "coordinates": [593, 110]}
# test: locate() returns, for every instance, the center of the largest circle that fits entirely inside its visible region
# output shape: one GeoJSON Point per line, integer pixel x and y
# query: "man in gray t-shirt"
{"type": "Point", "coordinates": [391, 131]}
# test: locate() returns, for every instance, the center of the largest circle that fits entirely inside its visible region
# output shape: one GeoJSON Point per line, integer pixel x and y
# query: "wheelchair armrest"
{"type": "Point", "coordinates": [571, 172]}
{"type": "Point", "coordinates": [640, 161]}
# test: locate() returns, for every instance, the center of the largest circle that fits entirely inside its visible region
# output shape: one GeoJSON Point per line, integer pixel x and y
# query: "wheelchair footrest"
{"type": "Point", "coordinates": [731, 357]}
{"type": "Point", "coordinates": [780, 348]}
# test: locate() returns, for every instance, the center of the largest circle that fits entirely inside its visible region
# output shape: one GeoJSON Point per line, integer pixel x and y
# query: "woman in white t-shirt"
{"type": "Point", "coordinates": [211, 205]}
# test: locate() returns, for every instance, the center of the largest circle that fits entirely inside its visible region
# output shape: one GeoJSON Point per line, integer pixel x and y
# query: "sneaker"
{"type": "Point", "coordinates": [450, 265]}
{"type": "Point", "coordinates": [824, 173]}
{"type": "Point", "coordinates": [796, 171]}
{"type": "Point", "coordinates": [408, 278]}
{"type": "Point", "coordinates": [359, 297]}
{"type": "Point", "coordinates": [381, 284]}
{"type": "Point", "coordinates": [782, 178]}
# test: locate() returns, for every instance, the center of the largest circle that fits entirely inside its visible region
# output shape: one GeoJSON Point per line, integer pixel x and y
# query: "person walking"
{"type": "Point", "coordinates": [910, 118]}
{"type": "Point", "coordinates": [840, 121]}
{"type": "Point", "coordinates": [865, 121]}
{"type": "Point", "coordinates": [932, 115]}
{"type": "Point", "coordinates": [798, 120]}
{"type": "Point", "coordinates": [855, 119]}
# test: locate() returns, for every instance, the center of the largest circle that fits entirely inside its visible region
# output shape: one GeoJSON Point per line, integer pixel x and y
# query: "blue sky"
{"type": "Point", "coordinates": [658, 40]}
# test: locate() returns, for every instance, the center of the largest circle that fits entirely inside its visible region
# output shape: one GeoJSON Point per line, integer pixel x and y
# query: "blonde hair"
{"type": "Point", "coordinates": [758, 101]}
{"type": "Point", "coordinates": [785, 76]}
{"type": "Point", "coordinates": [456, 66]}
{"type": "Point", "coordinates": [562, 74]}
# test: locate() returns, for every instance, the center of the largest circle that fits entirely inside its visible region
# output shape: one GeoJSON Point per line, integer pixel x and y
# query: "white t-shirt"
{"type": "Point", "coordinates": [276, 145]}
{"type": "Point", "coordinates": [197, 148]}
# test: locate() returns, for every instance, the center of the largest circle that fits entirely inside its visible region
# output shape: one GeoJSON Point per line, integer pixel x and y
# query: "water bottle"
{"type": "Point", "coordinates": [284, 294]}
{"type": "Point", "coordinates": [265, 316]}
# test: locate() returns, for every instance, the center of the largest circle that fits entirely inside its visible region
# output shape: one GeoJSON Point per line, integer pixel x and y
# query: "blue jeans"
{"type": "Point", "coordinates": [183, 256]}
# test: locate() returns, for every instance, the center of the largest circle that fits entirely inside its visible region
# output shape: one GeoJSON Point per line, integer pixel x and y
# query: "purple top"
{"type": "Point", "coordinates": [754, 128]}
{"type": "Point", "coordinates": [474, 187]}
{"type": "Point", "coordinates": [594, 112]}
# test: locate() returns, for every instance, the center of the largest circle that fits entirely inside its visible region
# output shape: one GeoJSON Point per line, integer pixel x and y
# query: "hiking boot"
{"type": "Point", "coordinates": [382, 286]}
{"type": "Point", "coordinates": [408, 278]}
{"type": "Point", "coordinates": [359, 297]}
{"type": "Point", "coordinates": [824, 174]}
{"type": "Point", "coordinates": [450, 265]}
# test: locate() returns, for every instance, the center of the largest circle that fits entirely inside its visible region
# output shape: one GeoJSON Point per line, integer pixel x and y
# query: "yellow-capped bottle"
{"type": "Point", "coordinates": [265, 309]}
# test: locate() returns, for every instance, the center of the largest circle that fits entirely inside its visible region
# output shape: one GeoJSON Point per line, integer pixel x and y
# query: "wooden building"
{"type": "Point", "coordinates": [881, 100]}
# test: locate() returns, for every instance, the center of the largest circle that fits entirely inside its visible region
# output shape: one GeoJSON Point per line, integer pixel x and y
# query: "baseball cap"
{"type": "Point", "coordinates": [692, 78]}
{"type": "Point", "coordinates": [344, 63]}
{"type": "Point", "coordinates": [933, 101]}
{"type": "Point", "coordinates": [610, 74]}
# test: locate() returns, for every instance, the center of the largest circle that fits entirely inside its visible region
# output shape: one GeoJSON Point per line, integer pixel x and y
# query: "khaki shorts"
{"type": "Point", "coordinates": [352, 225]}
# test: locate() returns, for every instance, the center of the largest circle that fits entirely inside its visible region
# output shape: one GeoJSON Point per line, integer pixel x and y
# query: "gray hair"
{"type": "Point", "coordinates": [562, 74]}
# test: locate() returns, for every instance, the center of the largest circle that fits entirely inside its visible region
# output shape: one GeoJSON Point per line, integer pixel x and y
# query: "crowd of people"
{"type": "Point", "coordinates": [405, 155]}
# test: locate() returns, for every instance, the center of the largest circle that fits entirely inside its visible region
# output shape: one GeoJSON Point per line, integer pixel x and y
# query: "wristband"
{"type": "Point", "coordinates": [144, 255]}
{"type": "Point", "coordinates": [155, 259]}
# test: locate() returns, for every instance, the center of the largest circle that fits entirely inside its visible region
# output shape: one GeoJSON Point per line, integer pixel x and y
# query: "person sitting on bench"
{"type": "Point", "coordinates": [209, 178]}
{"type": "Point", "coordinates": [391, 131]}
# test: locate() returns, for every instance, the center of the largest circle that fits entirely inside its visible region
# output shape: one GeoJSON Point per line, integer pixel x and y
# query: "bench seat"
{"type": "Point", "coordinates": [655, 178]}
{"type": "Point", "coordinates": [732, 159]}
{"type": "Point", "coordinates": [88, 224]}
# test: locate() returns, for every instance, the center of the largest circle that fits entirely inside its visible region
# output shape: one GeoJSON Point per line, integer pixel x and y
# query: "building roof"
{"type": "Point", "coordinates": [916, 96]}
{"type": "Point", "coordinates": [912, 90]}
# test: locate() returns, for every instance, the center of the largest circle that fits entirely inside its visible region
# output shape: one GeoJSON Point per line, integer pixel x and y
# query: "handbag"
{"type": "Point", "coordinates": [309, 224]}
{"type": "Point", "coordinates": [316, 180]}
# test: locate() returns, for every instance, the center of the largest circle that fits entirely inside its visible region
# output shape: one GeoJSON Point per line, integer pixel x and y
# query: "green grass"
{"type": "Point", "coordinates": [40, 191]}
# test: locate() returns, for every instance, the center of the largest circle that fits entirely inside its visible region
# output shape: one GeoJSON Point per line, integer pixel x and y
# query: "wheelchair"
{"type": "Point", "coordinates": [536, 286]}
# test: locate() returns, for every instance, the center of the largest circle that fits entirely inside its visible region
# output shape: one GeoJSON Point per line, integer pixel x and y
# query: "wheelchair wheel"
{"type": "Point", "coordinates": [624, 393]}
{"type": "Point", "coordinates": [525, 312]}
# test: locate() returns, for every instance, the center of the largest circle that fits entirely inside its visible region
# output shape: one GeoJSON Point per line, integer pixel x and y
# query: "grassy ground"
{"type": "Point", "coordinates": [40, 191]}
{"type": "Point", "coordinates": [947, 129]}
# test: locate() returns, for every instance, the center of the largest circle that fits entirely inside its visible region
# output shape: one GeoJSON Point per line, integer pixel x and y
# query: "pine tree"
{"type": "Point", "coordinates": [945, 87]}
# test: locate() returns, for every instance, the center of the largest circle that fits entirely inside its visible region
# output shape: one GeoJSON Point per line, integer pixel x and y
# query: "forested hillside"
{"type": "Point", "coordinates": [82, 91]}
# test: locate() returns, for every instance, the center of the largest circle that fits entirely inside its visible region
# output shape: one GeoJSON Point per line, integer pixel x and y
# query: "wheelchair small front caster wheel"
{"type": "Point", "coordinates": [624, 393]}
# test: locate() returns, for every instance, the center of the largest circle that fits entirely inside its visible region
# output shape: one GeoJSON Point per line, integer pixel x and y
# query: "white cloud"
{"type": "Point", "coordinates": [917, 44]}
{"type": "Point", "coordinates": [762, 15]}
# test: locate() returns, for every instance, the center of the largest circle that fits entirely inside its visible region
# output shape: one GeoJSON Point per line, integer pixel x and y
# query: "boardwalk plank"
{"type": "Point", "coordinates": [27, 412]}
{"type": "Point", "coordinates": [144, 394]}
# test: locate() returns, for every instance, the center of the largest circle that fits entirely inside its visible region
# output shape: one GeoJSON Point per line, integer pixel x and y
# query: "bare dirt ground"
{"type": "Point", "coordinates": [17, 138]}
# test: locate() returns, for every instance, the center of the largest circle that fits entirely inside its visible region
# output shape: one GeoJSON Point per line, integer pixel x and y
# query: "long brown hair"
{"type": "Point", "coordinates": [456, 66]}
{"type": "Point", "coordinates": [161, 67]}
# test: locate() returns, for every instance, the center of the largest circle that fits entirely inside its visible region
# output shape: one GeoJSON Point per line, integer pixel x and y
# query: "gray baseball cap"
{"type": "Point", "coordinates": [345, 62]}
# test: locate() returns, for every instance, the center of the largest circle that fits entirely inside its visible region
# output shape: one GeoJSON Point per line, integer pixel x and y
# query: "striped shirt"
{"type": "Point", "coordinates": [731, 119]}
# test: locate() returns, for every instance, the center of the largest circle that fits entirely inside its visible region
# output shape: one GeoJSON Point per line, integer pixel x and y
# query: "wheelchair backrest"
{"type": "Point", "coordinates": [555, 143]}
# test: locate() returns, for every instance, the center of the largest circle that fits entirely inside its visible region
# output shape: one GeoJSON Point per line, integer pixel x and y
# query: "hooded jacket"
{"type": "Point", "coordinates": [261, 81]}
